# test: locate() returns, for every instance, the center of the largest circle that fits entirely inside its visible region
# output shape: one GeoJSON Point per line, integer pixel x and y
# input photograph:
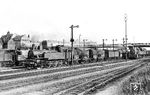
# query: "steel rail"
{"type": "Point", "coordinates": [80, 89]}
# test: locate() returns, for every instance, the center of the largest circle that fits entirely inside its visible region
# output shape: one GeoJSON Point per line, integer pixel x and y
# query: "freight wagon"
{"type": "Point", "coordinates": [96, 55]}
{"type": "Point", "coordinates": [111, 54]}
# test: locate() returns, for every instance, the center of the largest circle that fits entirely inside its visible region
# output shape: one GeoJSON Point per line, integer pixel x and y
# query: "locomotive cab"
{"type": "Point", "coordinates": [133, 52]}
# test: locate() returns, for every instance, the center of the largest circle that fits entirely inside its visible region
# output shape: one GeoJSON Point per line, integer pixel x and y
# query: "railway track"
{"type": "Point", "coordinates": [26, 73]}
{"type": "Point", "coordinates": [73, 66]}
{"type": "Point", "coordinates": [72, 77]}
{"type": "Point", "coordinates": [87, 88]}
{"type": "Point", "coordinates": [16, 80]}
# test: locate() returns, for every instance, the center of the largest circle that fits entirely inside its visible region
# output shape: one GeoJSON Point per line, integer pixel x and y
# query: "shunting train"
{"type": "Point", "coordinates": [60, 55]}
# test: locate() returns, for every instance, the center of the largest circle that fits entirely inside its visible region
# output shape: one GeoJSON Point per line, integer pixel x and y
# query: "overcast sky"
{"type": "Point", "coordinates": [97, 19]}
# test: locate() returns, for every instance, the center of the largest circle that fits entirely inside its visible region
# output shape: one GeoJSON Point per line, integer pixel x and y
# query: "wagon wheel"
{"type": "Point", "coordinates": [76, 62]}
{"type": "Point", "coordinates": [23, 64]}
{"type": "Point", "coordinates": [46, 63]}
{"type": "Point", "coordinates": [27, 65]}
{"type": "Point", "coordinates": [87, 61]}
{"type": "Point", "coordinates": [65, 63]}
{"type": "Point", "coordinates": [51, 64]}
{"type": "Point", "coordinates": [35, 65]}
{"type": "Point", "coordinates": [41, 64]}
{"type": "Point", "coordinates": [61, 62]}
{"type": "Point", "coordinates": [55, 64]}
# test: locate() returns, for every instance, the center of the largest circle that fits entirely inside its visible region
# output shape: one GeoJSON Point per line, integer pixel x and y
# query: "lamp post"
{"type": "Point", "coordinates": [79, 39]}
{"type": "Point", "coordinates": [63, 42]}
{"type": "Point", "coordinates": [125, 19]}
{"type": "Point", "coordinates": [72, 40]}
{"type": "Point", "coordinates": [113, 46]}
{"type": "Point", "coordinates": [123, 41]}
{"type": "Point", "coordinates": [84, 44]}
{"type": "Point", "coordinates": [104, 42]}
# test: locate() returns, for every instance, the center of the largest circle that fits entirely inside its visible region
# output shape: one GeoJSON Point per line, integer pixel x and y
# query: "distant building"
{"type": "Point", "coordinates": [19, 41]}
{"type": "Point", "coordinates": [11, 44]}
{"type": "Point", "coordinates": [87, 43]}
{"type": "Point", "coordinates": [36, 45]}
{"type": "Point", "coordinates": [4, 40]}
{"type": "Point", "coordinates": [90, 43]}
{"type": "Point", "coordinates": [25, 41]}
{"type": "Point", "coordinates": [51, 43]}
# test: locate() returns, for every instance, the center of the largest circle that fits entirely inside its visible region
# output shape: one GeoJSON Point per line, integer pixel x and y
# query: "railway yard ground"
{"type": "Point", "coordinates": [7, 69]}
{"type": "Point", "coordinates": [101, 78]}
{"type": "Point", "coordinates": [139, 78]}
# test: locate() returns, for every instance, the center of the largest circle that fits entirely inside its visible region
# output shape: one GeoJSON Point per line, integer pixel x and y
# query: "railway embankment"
{"type": "Point", "coordinates": [135, 83]}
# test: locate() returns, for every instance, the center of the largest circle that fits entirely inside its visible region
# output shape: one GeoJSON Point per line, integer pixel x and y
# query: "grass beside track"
{"type": "Point", "coordinates": [142, 77]}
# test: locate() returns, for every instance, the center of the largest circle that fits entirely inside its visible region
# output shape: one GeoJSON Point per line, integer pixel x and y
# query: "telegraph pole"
{"type": "Point", "coordinates": [104, 42]}
{"type": "Point", "coordinates": [126, 38]}
{"type": "Point", "coordinates": [72, 40]}
{"type": "Point", "coordinates": [114, 43]}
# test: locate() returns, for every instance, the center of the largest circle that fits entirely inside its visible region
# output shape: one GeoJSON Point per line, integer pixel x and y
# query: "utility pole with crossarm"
{"type": "Point", "coordinates": [126, 38]}
{"type": "Point", "coordinates": [72, 40]}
